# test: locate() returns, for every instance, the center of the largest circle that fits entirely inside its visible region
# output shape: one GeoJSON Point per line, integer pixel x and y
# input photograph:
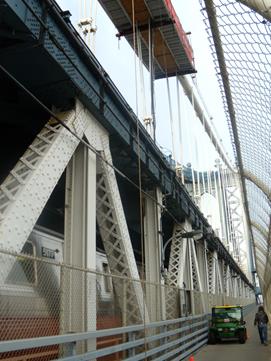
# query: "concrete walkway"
{"type": "Point", "coordinates": [252, 350]}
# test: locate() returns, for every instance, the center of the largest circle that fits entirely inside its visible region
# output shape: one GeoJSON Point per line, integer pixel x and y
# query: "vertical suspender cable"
{"type": "Point", "coordinates": [141, 74]}
{"type": "Point", "coordinates": [224, 206]}
{"type": "Point", "coordinates": [193, 183]}
{"type": "Point", "coordinates": [139, 174]}
{"type": "Point", "coordinates": [196, 145]}
{"type": "Point", "coordinates": [190, 149]}
{"type": "Point", "coordinates": [171, 120]}
{"type": "Point", "coordinates": [81, 11]}
{"type": "Point", "coordinates": [217, 196]}
{"type": "Point", "coordinates": [95, 10]}
{"type": "Point", "coordinates": [209, 182]}
{"type": "Point", "coordinates": [152, 89]}
{"type": "Point", "coordinates": [203, 180]}
{"type": "Point", "coordinates": [180, 126]}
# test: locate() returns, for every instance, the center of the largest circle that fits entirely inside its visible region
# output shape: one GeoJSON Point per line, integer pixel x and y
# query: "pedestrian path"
{"type": "Point", "coordinates": [252, 350]}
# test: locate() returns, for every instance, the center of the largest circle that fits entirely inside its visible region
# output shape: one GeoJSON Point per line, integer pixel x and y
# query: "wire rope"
{"type": "Point", "coordinates": [171, 119]}
{"type": "Point", "coordinates": [141, 74]}
{"type": "Point", "coordinates": [180, 127]}
{"type": "Point", "coordinates": [135, 31]}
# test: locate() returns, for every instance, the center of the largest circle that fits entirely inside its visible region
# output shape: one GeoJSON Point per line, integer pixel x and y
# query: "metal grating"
{"type": "Point", "coordinates": [244, 36]}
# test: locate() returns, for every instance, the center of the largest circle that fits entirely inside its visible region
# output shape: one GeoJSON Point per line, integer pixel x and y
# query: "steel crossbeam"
{"type": "Point", "coordinates": [27, 188]}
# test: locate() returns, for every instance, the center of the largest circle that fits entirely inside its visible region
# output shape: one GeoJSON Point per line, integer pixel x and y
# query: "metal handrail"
{"type": "Point", "coordinates": [198, 325]}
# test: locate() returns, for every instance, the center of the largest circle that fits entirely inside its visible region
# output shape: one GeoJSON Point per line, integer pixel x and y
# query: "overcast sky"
{"type": "Point", "coordinates": [118, 59]}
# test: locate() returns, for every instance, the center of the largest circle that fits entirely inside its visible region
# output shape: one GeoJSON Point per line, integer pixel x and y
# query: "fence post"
{"type": "Point", "coordinates": [131, 337]}
{"type": "Point", "coordinates": [61, 350]}
{"type": "Point", "coordinates": [69, 349]}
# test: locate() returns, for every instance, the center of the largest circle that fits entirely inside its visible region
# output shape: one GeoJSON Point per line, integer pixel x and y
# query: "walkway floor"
{"type": "Point", "coordinates": [252, 350]}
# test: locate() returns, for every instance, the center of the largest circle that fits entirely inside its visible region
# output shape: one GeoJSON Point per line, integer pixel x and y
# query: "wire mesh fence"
{"type": "Point", "coordinates": [240, 43]}
{"type": "Point", "coordinates": [40, 297]}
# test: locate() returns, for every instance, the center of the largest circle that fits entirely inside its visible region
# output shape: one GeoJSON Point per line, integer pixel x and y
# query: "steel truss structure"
{"type": "Point", "coordinates": [195, 267]}
{"type": "Point", "coordinates": [102, 117]}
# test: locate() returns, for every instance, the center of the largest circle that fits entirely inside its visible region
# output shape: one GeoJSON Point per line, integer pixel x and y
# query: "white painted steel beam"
{"type": "Point", "coordinates": [211, 273]}
{"type": "Point", "coordinates": [197, 282]}
{"type": "Point", "coordinates": [79, 287]}
{"type": "Point", "coordinates": [115, 235]}
{"type": "Point", "coordinates": [153, 254]}
{"type": "Point", "coordinates": [176, 271]}
{"type": "Point", "coordinates": [262, 7]}
{"type": "Point", "coordinates": [29, 185]}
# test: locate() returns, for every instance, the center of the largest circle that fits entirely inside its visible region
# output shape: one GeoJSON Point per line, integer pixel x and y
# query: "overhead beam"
{"type": "Point", "coordinates": [262, 7]}
{"type": "Point", "coordinates": [260, 184]}
{"type": "Point", "coordinates": [144, 27]}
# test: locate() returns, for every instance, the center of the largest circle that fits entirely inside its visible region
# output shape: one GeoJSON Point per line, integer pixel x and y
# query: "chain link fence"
{"type": "Point", "coordinates": [241, 48]}
{"type": "Point", "coordinates": [40, 297]}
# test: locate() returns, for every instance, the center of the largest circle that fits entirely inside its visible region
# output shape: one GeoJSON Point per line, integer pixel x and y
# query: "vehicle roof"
{"type": "Point", "coordinates": [228, 306]}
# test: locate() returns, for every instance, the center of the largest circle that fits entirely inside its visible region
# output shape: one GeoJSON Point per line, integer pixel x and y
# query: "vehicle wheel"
{"type": "Point", "coordinates": [212, 338]}
{"type": "Point", "coordinates": [242, 336]}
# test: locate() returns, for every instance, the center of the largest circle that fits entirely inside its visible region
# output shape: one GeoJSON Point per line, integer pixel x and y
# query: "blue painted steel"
{"type": "Point", "coordinates": [80, 75]}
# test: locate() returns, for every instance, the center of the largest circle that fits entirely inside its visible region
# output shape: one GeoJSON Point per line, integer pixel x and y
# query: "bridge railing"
{"type": "Point", "coordinates": [55, 302]}
{"type": "Point", "coordinates": [159, 340]}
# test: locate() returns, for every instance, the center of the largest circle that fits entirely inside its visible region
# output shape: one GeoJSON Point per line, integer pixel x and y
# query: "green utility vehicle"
{"type": "Point", "coordinates": [227, 324]}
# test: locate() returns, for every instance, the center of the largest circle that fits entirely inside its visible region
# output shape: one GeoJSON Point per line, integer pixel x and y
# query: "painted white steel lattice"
{"type": "Point", "coordinates": [175, 275]}
{"type": "Point", "coordinates": [115, 235]}
{"type": "Point", "coordinates": [27, 188]}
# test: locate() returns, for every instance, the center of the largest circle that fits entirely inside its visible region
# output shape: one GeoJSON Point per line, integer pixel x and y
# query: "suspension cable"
{"type": "Point", "coordinates": [171, 120]}
{"type": "Point", "coordinates": [180, 127]}
{"type": "Point", "coordinates": [141, 74]}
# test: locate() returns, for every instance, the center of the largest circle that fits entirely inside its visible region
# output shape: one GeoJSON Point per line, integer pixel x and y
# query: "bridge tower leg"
{"type": "Point", "coordinates": [79, 287]}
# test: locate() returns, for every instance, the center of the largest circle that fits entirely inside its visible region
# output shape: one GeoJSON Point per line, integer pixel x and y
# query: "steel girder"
{"type": "Point", "coordinates": [115, 235]}
{"type": "Point", "coordinates": [27, 188]}
{"type": "Point", "coordinates": [78, 296]}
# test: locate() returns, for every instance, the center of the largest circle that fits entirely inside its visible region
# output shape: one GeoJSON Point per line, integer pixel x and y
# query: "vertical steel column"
{"type": "Point", "coordinates": [153, 244]}
{"type": "Point", "coordinates": [176, 272]}
{"type": "Point", "coordinates": [151, 69]}
{"type": "Point", "coordinates": [115, 235]}
{"type": "Point", "coordinates": [190, 275]}
{"type": "Point", "coordinates": [80, 244]}
{"type": "Point", "coordinates": [197, 283]}
{"type": "Point", "coordinates": [219, 273]}
{"type": "Point", "coordinates": [202, 262]}
{"type": "Point", "coordinates": [211, 272]}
